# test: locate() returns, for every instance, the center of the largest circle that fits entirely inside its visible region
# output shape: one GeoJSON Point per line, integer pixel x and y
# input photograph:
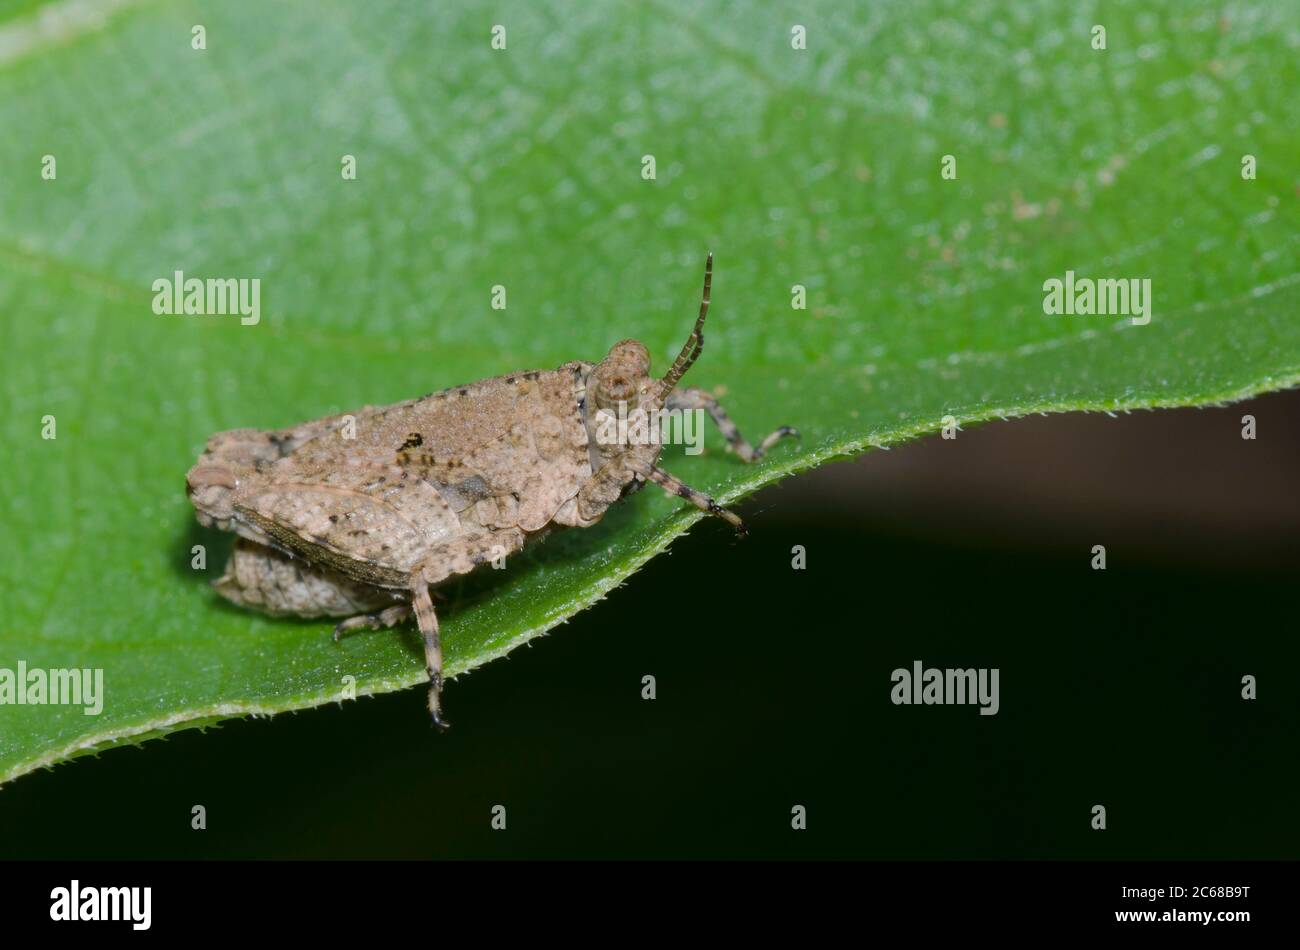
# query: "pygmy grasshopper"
{"type": "Point", "coordinates": [359, 515]}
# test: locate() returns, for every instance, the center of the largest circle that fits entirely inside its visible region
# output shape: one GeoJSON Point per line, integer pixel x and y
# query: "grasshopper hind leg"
{"type": "Point", "coordinates": [427, 620]}
{"type": "Point", "coordinates": [421, 607]}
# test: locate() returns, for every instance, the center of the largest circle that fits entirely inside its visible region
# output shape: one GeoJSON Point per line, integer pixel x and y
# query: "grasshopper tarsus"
{"type": "Point", "coordinates": [435, 702]}
{"type": "Point", "coordinates": [389, 617]}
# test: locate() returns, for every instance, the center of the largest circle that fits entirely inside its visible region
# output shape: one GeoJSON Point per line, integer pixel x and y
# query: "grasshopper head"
{"type": "Point", "coordinates": [623, 415]}
{"type": "Point", "coordinates": [620, 390]}
{"type": "Point", "coordinates": [622, 377]}
{"type": "Point", "coordinates": [622, 399]}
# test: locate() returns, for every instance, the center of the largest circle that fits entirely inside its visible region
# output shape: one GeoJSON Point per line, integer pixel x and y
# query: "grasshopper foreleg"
{"type": "Point", "coordinates": [690, 399]}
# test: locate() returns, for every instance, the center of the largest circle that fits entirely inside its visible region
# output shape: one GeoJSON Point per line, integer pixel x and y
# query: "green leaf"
{"type": "Point", "coordinates": [523, 168]}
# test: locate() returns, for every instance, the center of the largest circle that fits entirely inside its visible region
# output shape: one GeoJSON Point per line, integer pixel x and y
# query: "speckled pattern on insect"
{"type": "Point", "coordinates": [426, 489]}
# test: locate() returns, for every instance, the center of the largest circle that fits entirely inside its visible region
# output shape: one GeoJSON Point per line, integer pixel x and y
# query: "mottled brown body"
{"type": "Point", "coordinates": [366, 511]}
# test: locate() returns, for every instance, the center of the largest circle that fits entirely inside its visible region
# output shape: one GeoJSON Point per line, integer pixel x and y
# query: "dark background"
{"type": "Point", "coordinates": [1119, 687]}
